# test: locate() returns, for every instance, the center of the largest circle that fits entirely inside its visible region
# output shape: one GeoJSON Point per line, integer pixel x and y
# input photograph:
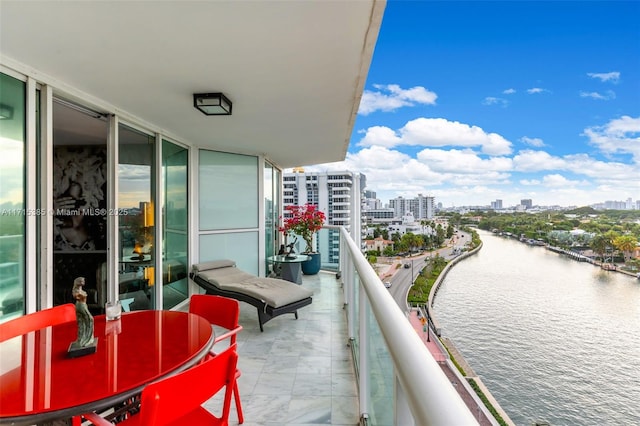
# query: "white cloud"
{"type": "Point", "coordinates": [437, 132]}
{"type": "Point", "coordinates": [391, 97]}
{"type": "Point", "coordinates": [378, 158]}
{"type": "Point", "coordinates": [462, 161]}
{"type": "Point", "coordinates": [534, 161]}
{"type": "Point", "coordinates": [610, 94]}
{"type": "Point", "coordinates": [490, 100]}
{"type": "Point", "coordinates": [557, 181]}
{"type": "Point", "coordinates": [537, 142]}
{"type": "Point", "coordinates": [612, 77]}
{"type": "Point", "coordinates": [509, 91]}
{"type": "Point", "coordinates": [465, 165]}
{"type": "Point", "coordinates": [535, 90]}
{"type": "Point", "coordinates": [389, 170]}
{"type": "Point", "coordinates": [619, 136]}
{"type": "Point", "coordinates": [380, 136]}
{"type": "Point", "coordinates": [585, 165]}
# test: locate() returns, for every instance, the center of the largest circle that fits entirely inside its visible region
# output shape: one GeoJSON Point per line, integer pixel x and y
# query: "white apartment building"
{"type": "Point", "coordinates": [380, 216]}
{"type": "Point", "coordinates": [422, 207]}
{"type": "Point", "coordinates": [337, 194]}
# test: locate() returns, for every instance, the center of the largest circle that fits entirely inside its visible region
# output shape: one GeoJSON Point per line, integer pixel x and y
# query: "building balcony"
{"type": "Point", "coordinates": [351, 357]}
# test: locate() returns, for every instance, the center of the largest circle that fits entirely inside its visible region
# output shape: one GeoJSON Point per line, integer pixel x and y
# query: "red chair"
{"type": "Point", "coordinates": [222, 312]}
{"type": "Point", "coordinates": [37, 320]}
{"type": "Point", "coordinates": [178, 399]}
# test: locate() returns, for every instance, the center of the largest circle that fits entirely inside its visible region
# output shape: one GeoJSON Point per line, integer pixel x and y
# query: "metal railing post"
{"type": "Point", "coordinates": [363, 354]}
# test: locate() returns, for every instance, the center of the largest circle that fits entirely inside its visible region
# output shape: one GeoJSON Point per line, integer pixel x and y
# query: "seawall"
{"type": "Point", "coordinates": [455, 354]}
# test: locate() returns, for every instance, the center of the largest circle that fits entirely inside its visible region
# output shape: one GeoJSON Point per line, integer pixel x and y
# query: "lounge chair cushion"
{"type": "Point", "coordinates": [213, 264]}
{"type": "Point", "coordinates": [274, 292]}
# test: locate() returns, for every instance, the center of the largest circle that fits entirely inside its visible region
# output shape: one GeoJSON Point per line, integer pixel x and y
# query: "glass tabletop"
{"type": "Point", "coordinates": [292, 258]}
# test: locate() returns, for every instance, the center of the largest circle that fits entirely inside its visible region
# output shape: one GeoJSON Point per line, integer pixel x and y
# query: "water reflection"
{"type": "Point", "coordinates": [552, 338]}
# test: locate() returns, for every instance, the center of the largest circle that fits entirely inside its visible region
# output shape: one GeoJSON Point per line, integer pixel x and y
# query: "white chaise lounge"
{"type": "Point", "coordinates": [271, 296]}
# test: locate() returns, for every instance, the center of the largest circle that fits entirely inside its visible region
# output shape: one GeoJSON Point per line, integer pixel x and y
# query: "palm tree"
{"type": "Point", "coordinates": [412, 240]}
{"type": "Point", "coordinates": [626, 244]}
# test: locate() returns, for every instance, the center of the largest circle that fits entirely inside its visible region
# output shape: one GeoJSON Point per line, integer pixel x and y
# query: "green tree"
{"type": "Point", "coordinates": [388, 251]}
{"type": "Point", "coordinates": [450, 230]}
{"type": "Point", "coordinates": [440, 235]}
{"type": "Point", "coordinates": [599, 244]}
{"type": "Point", "coordinates": [626, 244]}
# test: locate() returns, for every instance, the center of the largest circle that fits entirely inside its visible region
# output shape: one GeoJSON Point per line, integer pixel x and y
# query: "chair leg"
{"type": "Point", "coordinates": [236, 396]}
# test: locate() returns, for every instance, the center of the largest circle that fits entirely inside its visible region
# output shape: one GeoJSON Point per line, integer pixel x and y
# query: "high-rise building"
{"type": "Point", "coordinates": [337, 194]}
{"type": "Point", "coordinates": [422, 207]}
{"type": "Point", "coordinates": [615, 205]}
{"type": "Point", "coordinates": [527, 203]}
{"type": "Point", "coordinates": [496, 205]}
{"type": "Point", "coordinates": [370, 202]}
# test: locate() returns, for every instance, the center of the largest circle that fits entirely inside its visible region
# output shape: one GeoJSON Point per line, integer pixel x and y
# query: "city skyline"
{"type": "Point", "coordinates": [471, 102]}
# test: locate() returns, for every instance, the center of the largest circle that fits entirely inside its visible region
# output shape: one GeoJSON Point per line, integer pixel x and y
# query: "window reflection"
{"type": "Point", "coordinates": [174, 231]}
{"type": "Point", "coordinates": [12, 196]}
{"type": "Point", "coordinates": [136, 219]}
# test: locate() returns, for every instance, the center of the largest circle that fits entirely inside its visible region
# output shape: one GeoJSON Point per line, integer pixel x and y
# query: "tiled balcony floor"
{"type": "Point", "coordinates": [297, 372]}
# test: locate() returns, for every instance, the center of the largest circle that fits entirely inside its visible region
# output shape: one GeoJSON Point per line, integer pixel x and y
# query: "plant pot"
{"type": "Point", "coordinates": [311, 266]}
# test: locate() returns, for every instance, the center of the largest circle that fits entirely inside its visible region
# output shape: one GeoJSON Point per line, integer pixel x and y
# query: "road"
{"type": "Point", "coordinates": [403, 278]}
{"type": "Point", "coordinates": [400, 283]}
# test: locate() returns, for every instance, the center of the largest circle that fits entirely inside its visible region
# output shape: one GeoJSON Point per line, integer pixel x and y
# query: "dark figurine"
{"type": "Point", "coordinates": [291, 252]}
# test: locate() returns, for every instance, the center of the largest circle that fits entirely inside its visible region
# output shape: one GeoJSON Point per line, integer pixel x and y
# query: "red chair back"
{"type": "Point", "coordinates": [177, 396]}
{"type": "Point", "coordinates": [37, 320]}
{"type": "Point", "coordinates": [221, 311]}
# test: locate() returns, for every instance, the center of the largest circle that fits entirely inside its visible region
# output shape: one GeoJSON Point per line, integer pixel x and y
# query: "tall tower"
{"type": "Point", "coordinates": [338, 194]}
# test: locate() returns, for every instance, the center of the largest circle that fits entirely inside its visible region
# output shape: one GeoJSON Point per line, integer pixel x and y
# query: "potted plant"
{"type": "Point", "coordinates": [305, 221]}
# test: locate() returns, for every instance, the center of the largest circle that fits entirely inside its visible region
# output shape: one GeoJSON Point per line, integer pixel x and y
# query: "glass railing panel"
{"type": "Point", "coordinates": [381, 378]}
{"type": "Point", "coordinates": [328, 243]}
{"type": "Point", "coordinates": [388, 353]}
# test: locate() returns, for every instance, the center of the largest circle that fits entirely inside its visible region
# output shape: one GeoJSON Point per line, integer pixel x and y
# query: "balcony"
{"type": "Point", "coordinates": [305, 371]}
{"type": "Point", "coordinates": [299, 371]}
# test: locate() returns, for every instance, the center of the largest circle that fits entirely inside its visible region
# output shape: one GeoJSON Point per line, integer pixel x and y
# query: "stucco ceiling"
{"type": "Point", "coordinates": [294, 71]}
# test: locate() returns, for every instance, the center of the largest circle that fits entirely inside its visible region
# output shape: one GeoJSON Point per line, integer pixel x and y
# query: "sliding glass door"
{"type": "Point", "coordinates": [175, 224]}
{"type": "Point", "coordinates": [79, 203]}
{"type": "Point", "coordinates": [12, 197]}
{"type": "Point", "coordinates": [136, 219]}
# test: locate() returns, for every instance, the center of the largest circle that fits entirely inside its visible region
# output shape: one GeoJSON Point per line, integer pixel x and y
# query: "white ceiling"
{"type": "Point", "coordinates": [294, 70]}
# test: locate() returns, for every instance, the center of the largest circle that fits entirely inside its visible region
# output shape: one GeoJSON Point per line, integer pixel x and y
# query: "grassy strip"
{"type": "Point", "coordinates": [419, 291]}
{"type": "Point", "coordinates": [453, 359]}
{"type": "Point", "coordinates": [486, 402]}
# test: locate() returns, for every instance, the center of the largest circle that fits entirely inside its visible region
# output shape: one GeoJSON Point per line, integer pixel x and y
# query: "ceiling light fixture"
{"type": "Point", "coordinates": [212, 103]}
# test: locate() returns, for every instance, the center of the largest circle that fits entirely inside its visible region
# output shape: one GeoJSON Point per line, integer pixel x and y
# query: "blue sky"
{"type": "Point", "coordinates": [476, 101]}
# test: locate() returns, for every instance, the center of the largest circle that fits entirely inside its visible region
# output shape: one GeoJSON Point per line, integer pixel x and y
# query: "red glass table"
{"type": "Point", "coordinates": [39, 382]}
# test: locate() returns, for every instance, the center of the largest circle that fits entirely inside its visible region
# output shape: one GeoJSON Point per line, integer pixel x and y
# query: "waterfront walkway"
{"type": "Point", "coordinates": [440, 354]}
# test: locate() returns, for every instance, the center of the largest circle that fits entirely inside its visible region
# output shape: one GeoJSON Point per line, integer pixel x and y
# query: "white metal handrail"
{"type": "Point", "coordinates": [431, 397]}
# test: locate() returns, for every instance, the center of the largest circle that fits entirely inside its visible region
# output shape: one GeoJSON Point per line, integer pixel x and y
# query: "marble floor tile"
{"type": "Point", "coordinates": [297, 372]}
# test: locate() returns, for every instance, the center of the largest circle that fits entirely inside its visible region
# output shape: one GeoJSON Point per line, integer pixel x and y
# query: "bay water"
{"type": "Point", "coordinates": [554, 340]}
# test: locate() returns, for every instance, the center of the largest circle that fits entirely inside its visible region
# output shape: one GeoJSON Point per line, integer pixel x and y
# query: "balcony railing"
{"type": "Point", "coordinates": [399, 381]}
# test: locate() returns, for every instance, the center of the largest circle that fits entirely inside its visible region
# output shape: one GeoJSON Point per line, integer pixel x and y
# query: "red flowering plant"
{"type": "Point", "coordinates": [304, 221]}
